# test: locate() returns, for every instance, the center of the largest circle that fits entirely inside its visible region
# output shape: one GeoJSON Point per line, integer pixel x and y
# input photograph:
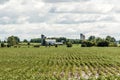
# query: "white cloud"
{"type": "Point", "coordinates": [88, 7]}
{"type": "Point", "coordinates": [22, 19]}
{"type": "Point", "coordinates": [31, 18]}
{"type": "Point", "coordinates": [58, 1]}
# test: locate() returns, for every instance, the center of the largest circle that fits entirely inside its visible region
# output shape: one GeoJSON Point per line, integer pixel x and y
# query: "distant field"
{"type": "Point", "coordinates": [60, 63]}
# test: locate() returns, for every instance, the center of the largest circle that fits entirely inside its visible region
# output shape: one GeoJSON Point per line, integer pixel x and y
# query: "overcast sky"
{"type": "Point", "coordinates": [55, 18]}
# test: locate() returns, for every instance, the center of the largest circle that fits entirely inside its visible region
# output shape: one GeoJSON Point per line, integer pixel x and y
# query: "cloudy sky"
{"type": "Point", "coordinates": [55, 18]}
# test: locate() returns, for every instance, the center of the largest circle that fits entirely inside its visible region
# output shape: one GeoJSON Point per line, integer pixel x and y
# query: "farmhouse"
{"type": "Point", "coordinates": [50, 41]}
{"type": "Point", "coordinates": [59, 43]}
{"type": "Point", "coordinates": [46, 41]}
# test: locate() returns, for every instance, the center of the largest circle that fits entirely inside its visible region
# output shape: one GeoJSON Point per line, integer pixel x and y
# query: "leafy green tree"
{"type": "Point", "coordinates": [91, 38]}
{"type": "Point", "coordinates": [98, 39]}
{"type": "Point", "coordinates": [103, 43]}
{"type": "Point", "coordinates": [61, 39]}
{"type": "Point", "coordinates": [113, 44]}
{"type": "Point", "coordinates": [25, 40]}
{"type": "Point", "coordinates": [56, 45]}
{"type": "Point", "coordinates": [69, 44]}
{"type": "Point", "coordinates": [28, 44]}
{"type": "Point", "coordinates": [87, 44]}
{"type": "Point", "coordinates": [113, 39]}
{"type": "Point", "coordinates": [74, 41]}
{"type": "Point", "coordinates": [2, 44]}
{"type": "Point", "coordinates": [35, 40]}
{"type": "Point", "coordinates": [119, 41]}
{"type": "Point", "coordinates": [110, 39]}
{"type": "Point", "coordinates": [5, 41]}
{"type": "Point", "coordinates": [13, 40]}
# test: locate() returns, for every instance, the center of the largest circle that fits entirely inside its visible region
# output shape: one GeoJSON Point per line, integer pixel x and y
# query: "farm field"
{"type": "Point", "coordinates": [60, 63]}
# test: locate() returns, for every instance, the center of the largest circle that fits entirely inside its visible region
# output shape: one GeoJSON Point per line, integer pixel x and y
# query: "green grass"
{"type": "Point", "coordinates": [60, 63]}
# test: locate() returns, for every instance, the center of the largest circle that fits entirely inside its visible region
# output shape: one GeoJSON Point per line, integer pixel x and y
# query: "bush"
{"type": "Point", "coordinates": [113, 45]}
{"type": "Point", "coordinates": [69, 44]}
{"type": "Point", "coordinates": [28, 43]}
{"type": "Point", "coordinates": [2, 44]}
{"type": "Point", "coordinates": [87, 44]}
{"type": "Point", "coordinates": [8, 45]}
{"type": "Point", "coordinates": [83, 45]}
{"type": "Point", "coordinates": [15, 46]}
{"type": "Point", "coordinates": [36, 46]}
{"type": "Point", "coordinates": [56, 45]}
{"type": "Point", "coordinates": [103, 44]}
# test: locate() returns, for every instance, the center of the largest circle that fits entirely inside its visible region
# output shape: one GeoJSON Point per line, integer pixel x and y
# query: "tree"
{"type": "Point", "coordinates": [74, 41]}
{"type": "Point", "coordinates": [91, 38]}
{"type": "Point", "coordinates": [110, 39]}
{"type": "Point", "coordinates": [2, 44]}
{"type": "Point", "coordinates": [103, 43]}
{"type": "Point", "coordinates": [69, 44]}
{"type": "Point", "coordinates": [25, 40]}
{"type": "Point", "coordinates": [113, 39]}
{"type": "Point", "coordinates": [61, 39]}
{"type": "Point", "coordinates": [113, 44]}
{"type": "Point", "coordinates": [119, 41]}
{"type": "Point", "coordinates": [87, 44]}
{"type": "Point", "coordinates": [56, 45]}
{"type": "Point", "coordinates": [35, 40]}
{"type": "Point", "coordinates": [28, 44]}
{"type": "Point", "coordinates": [13, 40]}
{"type": "Point", "coordinates": [98, 39]}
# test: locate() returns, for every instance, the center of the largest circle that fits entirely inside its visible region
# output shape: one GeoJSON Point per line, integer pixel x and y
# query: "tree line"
{"type": "Point", "coordinates": [100, 42]}
{"type": "Point", "coordinates": [91, 41]}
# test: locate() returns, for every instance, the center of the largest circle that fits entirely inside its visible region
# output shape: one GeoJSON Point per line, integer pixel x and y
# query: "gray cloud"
{"type": "Point", "coordinates": [82, 18]}
{"type": "Point", "coordinates": [75, 22]}
{"type": "Point", "coordinates": [57, 1]}
{"type": "Point", "coordinates": [3, 1]}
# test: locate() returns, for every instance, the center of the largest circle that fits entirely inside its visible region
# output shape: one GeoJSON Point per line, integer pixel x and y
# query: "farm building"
{"type": "Point", "coordinates": [82, 37]}
{"type": "Point", "coordinates": [53, 42]}
{"type": "Point", "coordinates": [50, 41]}
{"type": "Point", "coordinates": [59, 43]}
{"type": "Point", "coordinates": [43, 37]}
{"type": "Point", "coordinates": [46, 41]}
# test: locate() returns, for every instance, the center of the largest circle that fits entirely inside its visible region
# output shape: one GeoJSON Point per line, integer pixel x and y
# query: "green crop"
{"type": "Point", "coordinates": [62, 63]}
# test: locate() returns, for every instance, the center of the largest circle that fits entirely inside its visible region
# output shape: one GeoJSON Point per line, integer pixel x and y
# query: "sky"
{"type": "Point", "coordinates": [59, 18]}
